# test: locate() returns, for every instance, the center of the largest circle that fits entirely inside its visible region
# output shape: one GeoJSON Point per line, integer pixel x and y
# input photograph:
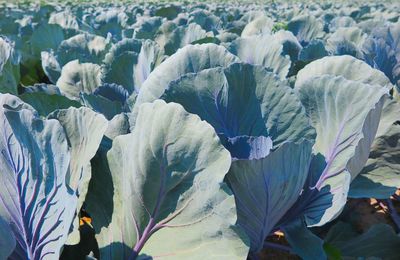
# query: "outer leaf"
{"type": "Point", "coordinates": [118, 65]}
{"type": "Point", "coordinates": [50, 66]}
{"type": "Point", "coordinates": [369, 25]}
{"type": "Point", "coordinates": [313, 51]}
{"type": "Point", "coordinates": [261, 25]}
{"type": "Point", "coordinates": [225, 37]}
{"type": "Point", "coordinates": [112, 92]}
{"type": "Point", "coordinates": [247, 147]}
{"type": "Point", "coordinates": [7, 240]}
{"type": "Point", "coordinates": [146, 27]}
{"type": "Point", "coordinates": [305, 28]}
{"type": "Point", "coordinates": [382, 51]}
{"type": "Point", "coordinates": [345, 115]}
{"type": "Point", "coordinates": [380, 178]}
{"type": "Point", "coordinates": [167, 181]}
{"type": "Point", "coordinates": [345, 66]}
{"type": "Point", "coordinates": [184, 35]}
{"type": "Point", "coordinates": [253, 50]}
{"type": "Point", "coordinates": [150, 56]}
{"type": "Point", "coordinates": [118, 125]}
{"type": "Point", "coordinates": [111, 21]}
{"type": "Point", "coordinates": [207, 20]}
{"type": "Point", "coordinates": [86, 48]}
{"type": "Point", "coordinates": [45, 104]}
{"type": "Point", "coordinates": [83, 47]}
{"type": "Point", "coordinates": [48, 89]}
{"type": "Point", "coordinates": [169, 11]}
{"type": "Point", "coordinates": [84, 129]}
{"type": "Point", "coordinates": [291, 45]}
{"type": "Point", "coordinates": [303, 242]}
{"type": "Point", "coordinates": [66, 19]}
{"type": "Point", "coordinates": [379, 241]}
{"type": "Point", "coordinates": [341, 21]}
{"type": "Point", "coordinates": [265, 189]}
{"type": "Point", "coordinates": [46, 36]}
{"type": "Point", "coordinates": [346, 41]}
{"type": "Point", "coordinates": [243, 100]}
{"type": "Point", "coordinates": [79, 77]}
{"type": "Point", "coordinates": [130, 62]}
{"type": "Point", "coordinates": [35, 199]}
{"type": "Point", "coordinates": [165, 32]}
{"type": "Point", "coordinates": [9, 68]}
{"type": "Point", "coordinates": [102, 105]}
{"type": "Point", "coordinates": [189, 59]}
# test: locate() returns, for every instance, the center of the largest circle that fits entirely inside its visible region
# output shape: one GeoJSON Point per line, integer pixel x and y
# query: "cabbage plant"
{"type": "Point", "coordinates": [199, 130]}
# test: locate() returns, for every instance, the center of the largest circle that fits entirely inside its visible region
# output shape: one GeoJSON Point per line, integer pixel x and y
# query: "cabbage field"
{"type": "Point", "coordinates": [200, 130]}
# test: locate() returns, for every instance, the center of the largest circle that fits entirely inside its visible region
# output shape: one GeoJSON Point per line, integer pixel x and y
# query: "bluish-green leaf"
{"type": "Point", "coordinates": [305, 28]}
{"type": "Point", "coordinates": [303, 241]}
{"type": "Point", "coordinates": [9, 67]}
{"type": "Point", "coordinates": [266, 188]}
{"type": "Point", "coordinates": [345, 66]}
{"type": "Point", "coordinates": [167, 181]}
{"type": "Point", "coordinates": [36, 201]}
{"type": "Point", "coordinates": [7, 240]}
{"type": "Point", "coordinates": [380, 178]}
{"type": "Point", "coordinates": [345, 115]}
{"type": "Point", "coordinates": [84, 130]}
{"type": "Point", "coordinates": [184, 35]}
{"type": "Point", "coordinates": [254, 50]}
{"type": "Point", "coordinates": [44, 104]}
{"type": "Point", "coordinates": [380, 241]}
{"type": "Point", "coordinates": [243, 100]}
{"type": "Point", "coordinates": [190, 59]}
{"type": "Point", "coordinates": [130, 62]}
{"type": "Point", "coordinates": [77, 77]}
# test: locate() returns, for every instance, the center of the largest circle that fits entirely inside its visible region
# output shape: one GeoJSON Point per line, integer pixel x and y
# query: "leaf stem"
{"type": "Point", "coordinates": [146, 234]}
{"type": "Point", "coordinates": [393, 213]}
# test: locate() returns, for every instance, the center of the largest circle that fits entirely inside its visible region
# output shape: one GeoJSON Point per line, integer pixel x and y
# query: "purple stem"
{"type": "Point", "coordinates": [152, 225]}
{"type": "Point", "coordinates": [277, 246]}
{"type": "Point", "coordinates": [145, 235]}
{"type": "Point", "coordinates": [393, 213]}
{"type": "Point", "coordinates": [382, 205]}
{"type": "Point", "coordinates": [332, 153]}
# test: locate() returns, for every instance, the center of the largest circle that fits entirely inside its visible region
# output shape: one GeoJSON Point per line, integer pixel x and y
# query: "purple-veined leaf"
{"type": "Point", "coordinates": [34, 201]}
{"type": "Point", "coordinates": [166, 181]}
{"type": "Point", "coordinates": [345, 115]}
{"type": "Point", "coordinates": [84, 130]}
{"type": "Point", "coordinates": [266, 188]}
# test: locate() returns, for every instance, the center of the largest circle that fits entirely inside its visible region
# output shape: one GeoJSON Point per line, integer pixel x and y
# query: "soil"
{"type": "Point", "coordinates": [271, 253]}
{"type": "Point", "coordinates": [360, 213]}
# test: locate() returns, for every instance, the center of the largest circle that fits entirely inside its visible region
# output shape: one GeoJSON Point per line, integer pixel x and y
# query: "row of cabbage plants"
{"type": "Point", "coordinates": [197, 130]}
